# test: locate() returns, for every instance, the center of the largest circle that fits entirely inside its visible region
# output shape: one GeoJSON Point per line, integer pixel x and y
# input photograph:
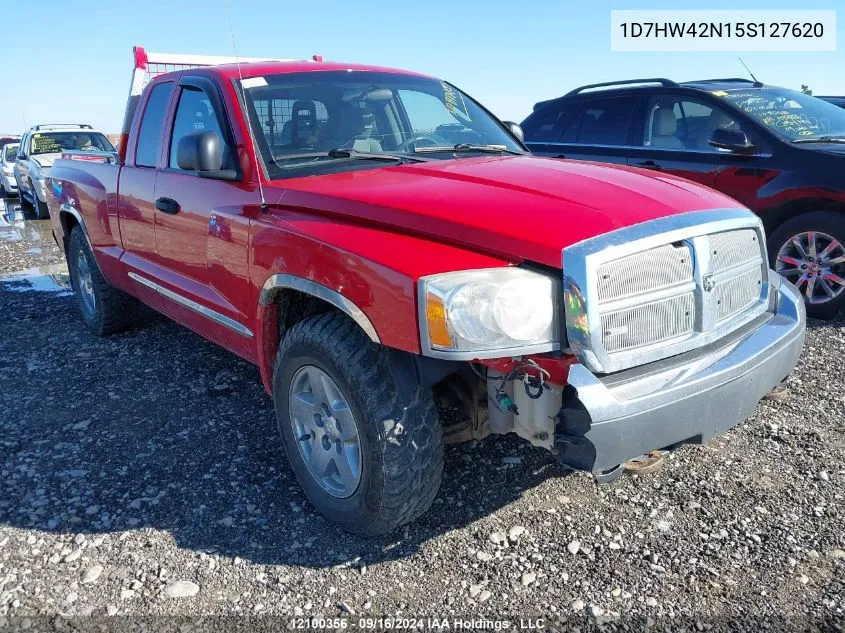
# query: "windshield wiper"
{"type": "Point", "coordinates": [821, 139]}
{"type": "Point", "coordinates": [469, 147]}
{"type": "Point", "coordinates": [343, 153]}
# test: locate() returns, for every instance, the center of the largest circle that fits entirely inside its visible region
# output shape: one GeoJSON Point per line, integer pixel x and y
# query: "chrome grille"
{"type": "Point", "coordinates": [663, 287]}
{"type": "Point", "coordinates": [734, 248]}
{"type": "Point", "coordinates": [651, 270]}
{"type": "Point", "coordinates": [735, 294]}
{"type": "Point", "coordinates": [648, 324]}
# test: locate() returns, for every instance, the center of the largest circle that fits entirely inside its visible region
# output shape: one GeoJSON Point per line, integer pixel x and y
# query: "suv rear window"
{"type": "Point", "coordinates": [605, 121]}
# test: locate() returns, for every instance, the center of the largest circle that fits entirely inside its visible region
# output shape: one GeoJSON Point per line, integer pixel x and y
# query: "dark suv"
{"type": "Point", "coordinates": [837, 101]}
{"type": "Point", "coordinates": [778, 151]}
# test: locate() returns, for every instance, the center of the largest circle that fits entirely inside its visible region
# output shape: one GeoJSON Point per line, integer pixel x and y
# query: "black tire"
{"type": "Point", "coordinates": [831, 223]}
{"type": "Point", "coordinates": [113, 310]}
{"type": "Point", "coordinates": [42, 212]}
{"type": "Point", "coordinates": [399, 432]}
{"type": "Point", "coordinates": [25, 204]}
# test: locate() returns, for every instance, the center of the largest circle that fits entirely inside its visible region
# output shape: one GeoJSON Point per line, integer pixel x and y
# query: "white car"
{"type": "Point", "coordinates": [43, 144]}
{"type": "Point", "coordinates": [8, 184]}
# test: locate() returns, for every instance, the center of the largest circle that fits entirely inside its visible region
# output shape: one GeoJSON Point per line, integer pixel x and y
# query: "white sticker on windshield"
{"type": "Point", "coordinates": [254, 82]}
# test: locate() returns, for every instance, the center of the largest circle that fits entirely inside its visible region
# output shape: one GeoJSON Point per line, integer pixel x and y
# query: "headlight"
{"type": "Point", "coordinates": [488, 313]}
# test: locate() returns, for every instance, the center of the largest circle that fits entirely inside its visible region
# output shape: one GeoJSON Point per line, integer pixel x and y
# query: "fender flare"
{"type": "Point", "coordinates": [64, 207]}
{"type": "Point", "coordinates": [278, 282]}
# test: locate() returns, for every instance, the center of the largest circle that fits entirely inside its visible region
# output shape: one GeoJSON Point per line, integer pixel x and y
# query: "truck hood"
{"type": "Point", "coordinates": [516, 207]}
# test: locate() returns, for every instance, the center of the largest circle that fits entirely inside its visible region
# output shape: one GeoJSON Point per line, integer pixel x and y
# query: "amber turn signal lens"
{"type": "Point", "coordinates": [435, 312]}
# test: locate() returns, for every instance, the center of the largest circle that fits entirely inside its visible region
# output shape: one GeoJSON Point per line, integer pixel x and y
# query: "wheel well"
{"type": "Point", "coordinates": [293, 306]}
{"type": "Point", "coordinates": [773, 218]}
{"type": "Point", "coordinates": [68, 221]}
{"type": "Point", "coordinates": [290, 306]}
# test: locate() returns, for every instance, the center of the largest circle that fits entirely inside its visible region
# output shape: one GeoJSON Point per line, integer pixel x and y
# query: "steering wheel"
{"type": "Point", "coordinates": [430, 141]}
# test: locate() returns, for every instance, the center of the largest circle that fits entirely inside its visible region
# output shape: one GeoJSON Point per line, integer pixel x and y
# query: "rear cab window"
{"type": "Point", "coordinates": [289, 122]}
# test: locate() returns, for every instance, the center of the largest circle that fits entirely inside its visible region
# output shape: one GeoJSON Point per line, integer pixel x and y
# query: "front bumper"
{"type": "Point", "coordinates": [9, 183]}
{"type": "Point", "coordinates": [606, 421]}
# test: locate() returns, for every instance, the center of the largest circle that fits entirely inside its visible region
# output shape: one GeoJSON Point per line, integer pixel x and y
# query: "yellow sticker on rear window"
{"type": "Point", "coordinates": [720, 93]}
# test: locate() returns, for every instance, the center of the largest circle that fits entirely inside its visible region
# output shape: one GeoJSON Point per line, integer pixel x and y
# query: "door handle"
{"type": "Point", "coordinates": [167, 205]}
{"type": "Point", "coordinates": [649, 164]}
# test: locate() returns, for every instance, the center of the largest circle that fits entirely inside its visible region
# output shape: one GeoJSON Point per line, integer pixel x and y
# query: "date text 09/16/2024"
{"type": "Point", "coordinates": [432, 623]}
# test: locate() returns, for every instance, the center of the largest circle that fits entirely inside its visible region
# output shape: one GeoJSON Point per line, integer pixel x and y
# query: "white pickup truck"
{"type": "Point", "coordinates": [40, 146]}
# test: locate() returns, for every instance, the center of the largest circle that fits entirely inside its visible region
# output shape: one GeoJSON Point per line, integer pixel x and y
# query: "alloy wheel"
{"type": "Point", "coordinates": [85, 283]}
{"type": "Point", "coordinates": [325, 431]}
{"type": "Point", "coordinates": [815, 263]}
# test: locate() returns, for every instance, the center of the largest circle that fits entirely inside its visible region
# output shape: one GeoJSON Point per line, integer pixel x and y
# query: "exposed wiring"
{"type": "Point", "coordinates": [533, 377]}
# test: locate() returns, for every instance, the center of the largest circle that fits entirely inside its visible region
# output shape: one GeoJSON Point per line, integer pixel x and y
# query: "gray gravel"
{"type": "Point", "coordinates": [142, 475]}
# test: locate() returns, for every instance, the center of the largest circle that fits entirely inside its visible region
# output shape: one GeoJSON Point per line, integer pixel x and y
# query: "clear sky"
{"type": "Point", "coordinates": [70, 61]}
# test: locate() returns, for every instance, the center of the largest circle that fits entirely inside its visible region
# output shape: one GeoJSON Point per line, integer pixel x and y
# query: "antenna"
{"type": "Point", "coordinates": [756, 81]}
{"type": "Point", "coordinates": [246, 113]}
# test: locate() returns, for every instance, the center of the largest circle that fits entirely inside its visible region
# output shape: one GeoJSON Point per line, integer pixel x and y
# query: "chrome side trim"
{"type": "Point", "coordinates": [581, 262]}
{"type": "Point", "coordinates": [208, 313]}
{"type": "Point", "coordinates": [279, 282]}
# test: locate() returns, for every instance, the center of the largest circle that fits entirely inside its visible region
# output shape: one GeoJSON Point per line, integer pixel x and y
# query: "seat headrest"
{"type": "Point", "coordinates": [718, 118]}
{"type": "Point", "coordinates": [665, 123]}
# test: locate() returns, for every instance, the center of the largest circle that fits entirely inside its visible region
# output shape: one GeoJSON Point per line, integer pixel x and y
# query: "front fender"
{"type": "Point", "coordinates": [369, 273]}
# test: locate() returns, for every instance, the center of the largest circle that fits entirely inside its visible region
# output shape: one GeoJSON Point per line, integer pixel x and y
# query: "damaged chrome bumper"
{"type": "Point", "coordinates": [607, 420]}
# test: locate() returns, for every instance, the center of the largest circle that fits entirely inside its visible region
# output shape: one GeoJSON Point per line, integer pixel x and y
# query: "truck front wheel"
{"type": "Point", "coordinates": [368, 456]}
{"type": "Point", "coordinates": [104, 308]}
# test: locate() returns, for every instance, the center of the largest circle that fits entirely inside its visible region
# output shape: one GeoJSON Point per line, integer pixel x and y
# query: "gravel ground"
{"type": "Point", "coordinates": [142, 476]}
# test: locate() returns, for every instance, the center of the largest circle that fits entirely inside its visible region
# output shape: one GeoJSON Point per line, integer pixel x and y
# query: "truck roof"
{"type": "Point", "coordinates": [258, 69]}
{"type": "Point", "coordinates": [148, 66]}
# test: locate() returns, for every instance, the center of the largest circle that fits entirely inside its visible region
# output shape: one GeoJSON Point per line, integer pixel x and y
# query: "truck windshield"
{"type": "Point", "coordinates": [9, 152]}
{"type": "Point", "coordinates": [54, 142]}
{"type": "Point", "coordinates": [299, 118]}
{"type": "Point", "coordinates": [788, 113]}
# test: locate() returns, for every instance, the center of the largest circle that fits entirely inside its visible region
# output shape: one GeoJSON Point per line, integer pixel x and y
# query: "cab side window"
{"type": "Point", "coordinates": [149, 134]}
{"type": "Point", "coordinates": [680, 123]}
{"type": "Point", "coordinates": [195, 114]}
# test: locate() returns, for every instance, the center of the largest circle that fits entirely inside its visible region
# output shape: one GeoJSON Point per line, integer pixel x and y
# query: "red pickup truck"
{"type": "Point", "coordinates": [383, 248]}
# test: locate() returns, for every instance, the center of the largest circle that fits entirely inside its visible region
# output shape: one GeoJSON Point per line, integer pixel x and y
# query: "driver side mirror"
{"type": "Point", "coordinates": [515, 130]}
{"type": "Point", "coordinates": [732, 140]}
{"type": "Point", "coordinates": [202, 152]}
